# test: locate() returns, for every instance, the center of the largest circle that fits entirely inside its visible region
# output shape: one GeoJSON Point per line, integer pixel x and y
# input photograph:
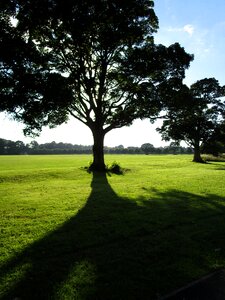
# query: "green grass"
{"type": "Point", "coordinates": [67, 234]}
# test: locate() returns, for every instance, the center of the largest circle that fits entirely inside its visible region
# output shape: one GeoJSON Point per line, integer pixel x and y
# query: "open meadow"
{"type": "Point", "coordinates": [68, 234]}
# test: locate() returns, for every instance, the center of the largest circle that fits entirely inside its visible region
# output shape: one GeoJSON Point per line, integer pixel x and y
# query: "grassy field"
{"type": "Point", "coordinates": [67, 234]}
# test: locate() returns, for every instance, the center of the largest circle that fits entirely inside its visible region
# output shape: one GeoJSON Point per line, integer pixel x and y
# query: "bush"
{"type": "Point", "coordinates": [115, 168]}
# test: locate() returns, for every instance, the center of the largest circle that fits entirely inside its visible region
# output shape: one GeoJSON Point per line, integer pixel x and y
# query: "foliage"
{"type": "Point", "coordinates": [93, 60]}
{"type": "Point", "coordinates": [195, 114]}
{"type": "Point", "coordinates": [67, 234]}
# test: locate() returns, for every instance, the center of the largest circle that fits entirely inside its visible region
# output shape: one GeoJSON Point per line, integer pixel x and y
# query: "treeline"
{"type": "Point", "coordinates": [8, 147]}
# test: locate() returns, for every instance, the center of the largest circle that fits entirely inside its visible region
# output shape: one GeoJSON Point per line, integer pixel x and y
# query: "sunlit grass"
{"type": "Point", "coordinates": [68, 234]}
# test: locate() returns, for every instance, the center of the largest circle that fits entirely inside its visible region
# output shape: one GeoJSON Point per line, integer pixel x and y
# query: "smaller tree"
{"type": "Point", "coordinates": [216, 144]}
{"type": "Point", "coordinates": [194, 114]}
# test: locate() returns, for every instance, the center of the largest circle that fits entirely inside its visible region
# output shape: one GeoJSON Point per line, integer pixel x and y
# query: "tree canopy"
{"type": "Point", "coordinates": [93, 60]}
{"type": "Point", "coordinates": [195, 115]}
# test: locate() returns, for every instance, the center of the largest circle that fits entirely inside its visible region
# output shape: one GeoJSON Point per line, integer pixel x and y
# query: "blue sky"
{"type": "Point", "coordinates": [199, 26]}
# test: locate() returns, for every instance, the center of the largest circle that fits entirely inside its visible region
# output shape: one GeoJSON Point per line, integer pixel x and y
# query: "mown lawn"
{"type": "Point", "coordinates": [68, 234]}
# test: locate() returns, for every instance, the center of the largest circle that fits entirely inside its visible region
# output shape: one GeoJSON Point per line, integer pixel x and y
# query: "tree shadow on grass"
{"type": "Point", "coordinates": [118, 248]}
{"type": "Point", "coordinates": [219, 166]}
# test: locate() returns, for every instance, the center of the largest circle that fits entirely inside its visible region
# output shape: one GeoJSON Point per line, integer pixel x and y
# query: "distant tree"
{"type": "Point", "coordinates": [120, 147]}
{"type": "Point", "coordinates": [195, 114]}
{"type": "Point", "coordinates": [93, 60]}
{"type": "Point", "coordinates": [133, 150]}
{"type": "Point", "coordinates": [175, 147]}
{"type": "Point", "coordinates": [20, 147]}
{"type": "Point", "coordinates": [12, 147]}
{"type": "Point", "coordinates": [33, 144]}
{"type": "Point", "coordinates": [3, 146]}
{"type": "Point", "coordinates": [147, 148]}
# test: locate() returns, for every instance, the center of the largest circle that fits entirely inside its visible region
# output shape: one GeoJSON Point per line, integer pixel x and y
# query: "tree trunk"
{"type": "Point", "coordinates": [197, 155]}
{"type": "Point", "coordinates": [98, 151]}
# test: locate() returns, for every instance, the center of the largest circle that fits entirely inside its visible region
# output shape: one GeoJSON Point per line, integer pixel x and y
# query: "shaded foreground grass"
{"type": "Point", "coordinates": [67, 234]}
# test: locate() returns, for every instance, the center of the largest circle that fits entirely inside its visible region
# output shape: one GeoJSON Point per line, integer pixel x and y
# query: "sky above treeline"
{"type": "Point", "coordinates": [199, 27]}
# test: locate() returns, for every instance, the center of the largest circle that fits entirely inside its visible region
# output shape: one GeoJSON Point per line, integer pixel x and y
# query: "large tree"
{"type": "Point", "coordinates": [195, 114]}
{"type": "Point", "coordinates": [93, 60]}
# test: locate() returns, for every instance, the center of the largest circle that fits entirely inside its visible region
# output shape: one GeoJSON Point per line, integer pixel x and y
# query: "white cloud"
{"type": "Point", "coordinates": [186, 28]}
{"type": "Point", "coordinates": [189, 29]}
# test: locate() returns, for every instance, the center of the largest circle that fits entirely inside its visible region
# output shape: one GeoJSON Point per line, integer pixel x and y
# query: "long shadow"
{"type": "Point", "coordinates": [118, 248]}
